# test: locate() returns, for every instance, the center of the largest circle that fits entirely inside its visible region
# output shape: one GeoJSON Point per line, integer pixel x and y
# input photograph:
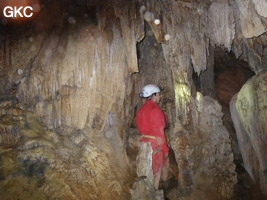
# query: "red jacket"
{"type": "Point", "coordinates": [151, 121]}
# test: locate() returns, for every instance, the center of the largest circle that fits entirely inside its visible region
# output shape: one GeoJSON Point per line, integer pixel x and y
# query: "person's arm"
{"type": "Point", "coordinates": [157, 124]}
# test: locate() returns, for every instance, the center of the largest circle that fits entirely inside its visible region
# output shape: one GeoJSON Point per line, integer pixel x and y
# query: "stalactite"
{"type": "Point", "coordinates": [77, 76]}
{"type": "Point", "coordinates": [221, 24]}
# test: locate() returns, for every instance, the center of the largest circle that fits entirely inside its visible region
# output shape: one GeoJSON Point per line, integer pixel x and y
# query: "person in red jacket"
{"type": "Point", "coordinates": [151, 122]}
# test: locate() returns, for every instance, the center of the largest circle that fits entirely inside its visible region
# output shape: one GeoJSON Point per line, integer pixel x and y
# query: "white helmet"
{"type": "Point", "coordinates": [150, 89]}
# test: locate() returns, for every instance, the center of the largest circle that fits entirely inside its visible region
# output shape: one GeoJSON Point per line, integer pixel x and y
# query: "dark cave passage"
{"type": "Point", "coordinates": [230, 74]}
{"type": "Point", "coordinates": [226, 79]}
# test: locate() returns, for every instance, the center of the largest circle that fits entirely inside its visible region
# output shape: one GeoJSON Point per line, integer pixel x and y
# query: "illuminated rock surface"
{"type": "Point", "coordinates": [69, 92]}
{"type": "Point", "coordinates": [249, 115]}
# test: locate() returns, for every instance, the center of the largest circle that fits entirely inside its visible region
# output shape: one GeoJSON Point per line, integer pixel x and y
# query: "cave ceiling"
{"type": "Point", "coordinates": [238, 26]}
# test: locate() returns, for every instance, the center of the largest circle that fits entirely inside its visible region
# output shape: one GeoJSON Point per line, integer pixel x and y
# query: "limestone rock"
{"type": "Point", "coordinates": [260, 6]}
{"type": "Point", "coordinates": [210, 110]}
{"type": "Point", "coordinates": [144, 190]}
{"type": "Point", "coordinates": [207, 147]}
{"type": "Point", "coordinates": [144, 162]}
{"type": "Point", "coordinates": [143, 187]}
{"type": "Point", "coordinates": [251, 23]}
{"type": "Point", "coordinates": [69, 93]}
{"type": "Point", "coordinates": [249, 117]}
{"type": "Point", "coordinates": [65, 167]}
{"type": "Point", "coordinates": [221, 23]}
{"type": "Point", "coordinates": [63, 122]}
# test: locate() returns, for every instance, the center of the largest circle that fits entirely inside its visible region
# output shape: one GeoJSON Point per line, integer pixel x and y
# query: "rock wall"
{"type": "Point", "coordinates": [186, 32]}
{"type": "Point", "coordinates": [62, 105]}
{"type": "Point", "coordinates": [69, 92]}
{"type": "Point", "coordinates": [204, 155]}
{"type": "Point", "coordinates": [248, 109]}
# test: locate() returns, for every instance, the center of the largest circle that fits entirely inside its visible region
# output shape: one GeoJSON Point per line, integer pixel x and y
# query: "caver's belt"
{"type": "Point", "coordinates": [149, 136]}
{"type": "Point", "coordinates": [152, 137]}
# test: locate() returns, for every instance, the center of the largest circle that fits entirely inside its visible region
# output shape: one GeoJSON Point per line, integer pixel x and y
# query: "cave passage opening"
{"type": "Point", "coordinates": [230, 74]}
{"type": "Point", "coordinates": [225, 78]}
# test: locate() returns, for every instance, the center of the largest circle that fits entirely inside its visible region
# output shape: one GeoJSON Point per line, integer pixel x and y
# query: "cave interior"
{"type": "Point", "coordinates": [70, 81]}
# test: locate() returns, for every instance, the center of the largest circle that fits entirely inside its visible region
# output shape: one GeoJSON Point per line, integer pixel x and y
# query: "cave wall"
{"type": "Point", "coordinates": [69, 94]}
{"type": "Point", "coordinates": [193, 27]}
{"type": "Point", "coordinates": [63, 97]}
{"type": "Point", "coordinates": [248, 110]}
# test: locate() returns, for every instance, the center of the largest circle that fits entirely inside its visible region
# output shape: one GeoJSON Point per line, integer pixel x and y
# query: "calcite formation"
{"type": "Point", "coordinates": [69, 84]}
{"type": "Point", "coordinates": [143, 188]}
{"type": "Point", "coordinates": [249, 116]}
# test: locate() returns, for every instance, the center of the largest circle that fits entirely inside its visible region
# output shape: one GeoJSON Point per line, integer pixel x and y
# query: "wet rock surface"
{"type": "Point", "coordinates": [248, 114]}
{"type": "Point", "coordinates": [69, 94]}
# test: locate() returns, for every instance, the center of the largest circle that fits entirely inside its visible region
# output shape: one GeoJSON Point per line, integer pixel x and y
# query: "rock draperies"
{"type": "Point", "coordinates": [192, 27]}
{"type": "Point", "coordinates": [248, 110]}
{"type": "Point", "coordinates": [66, 81]}
{"type": "Point", "coordinates": [66, 128]}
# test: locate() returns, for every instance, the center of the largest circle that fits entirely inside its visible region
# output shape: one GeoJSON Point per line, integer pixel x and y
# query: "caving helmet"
{"type": "Point", "coordinates": [150, 89]}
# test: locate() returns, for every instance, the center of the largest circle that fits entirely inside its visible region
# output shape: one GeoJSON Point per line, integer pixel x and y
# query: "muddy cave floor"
{"type": "Point", "coordinates": [245, 189]}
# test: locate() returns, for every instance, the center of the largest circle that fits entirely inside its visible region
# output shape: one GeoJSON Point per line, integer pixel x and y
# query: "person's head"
{"type": "Point", "coordinates": [155, 97]}
{"type": "Point", "coordinates": [151, 92]}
